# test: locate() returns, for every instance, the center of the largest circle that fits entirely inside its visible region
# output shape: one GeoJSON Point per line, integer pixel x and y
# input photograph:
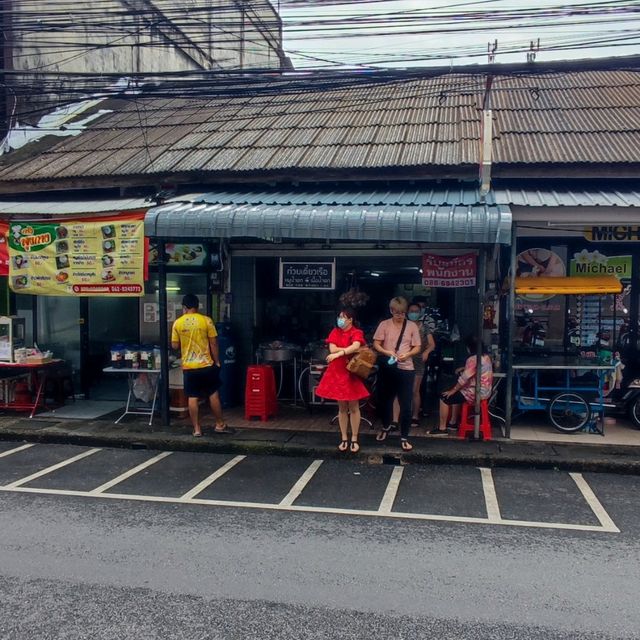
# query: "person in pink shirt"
{"type": "Point", "coordinates": [465, 389]}
{"type": "Point", "coordinates": [397, 340]}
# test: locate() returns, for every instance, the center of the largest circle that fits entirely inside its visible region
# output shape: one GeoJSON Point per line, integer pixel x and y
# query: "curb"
{"type": "Point", "coordinates": [482, 455]}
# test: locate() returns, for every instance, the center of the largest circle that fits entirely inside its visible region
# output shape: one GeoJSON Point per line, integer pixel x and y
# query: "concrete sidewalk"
{"type": "Point", "coordinates": [132, 433]}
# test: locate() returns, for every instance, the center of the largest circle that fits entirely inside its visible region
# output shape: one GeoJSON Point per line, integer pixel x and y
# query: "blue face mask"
{"type": "Point", "coordinates": [342, 323]}
{"type": "Point", "coordinates": [414, 315]}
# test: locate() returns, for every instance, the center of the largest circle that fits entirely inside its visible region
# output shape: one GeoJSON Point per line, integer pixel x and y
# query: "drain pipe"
{"type": "Point", "coordinates": [486, 140]}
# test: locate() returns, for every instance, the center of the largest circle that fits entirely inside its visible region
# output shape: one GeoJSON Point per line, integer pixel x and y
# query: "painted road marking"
{"type": "Point", "coordinates": [595, 504]}
{"type": "Point", "coordinates": [385, 510]}
{"type": "Point", "coordinates": [201, 486]}
{"type": "Point", "coordinates": [131, 472]}
{"type": "Point", "coordinates": [490, 497]}
{"type": "Point", "coordinates": [12, 451]}
{"type": "Point", "coordinates": [389, 497]}
{"type": "Point", "coordinates": [299, 486]}
{"type": "Point", "coordinates": [54, 467]}
{"type": "Point", "coordinates": [308, 509]}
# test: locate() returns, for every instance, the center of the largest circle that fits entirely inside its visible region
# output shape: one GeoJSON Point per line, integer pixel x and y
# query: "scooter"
{"type": "Point", "coordinates": [624, 396]}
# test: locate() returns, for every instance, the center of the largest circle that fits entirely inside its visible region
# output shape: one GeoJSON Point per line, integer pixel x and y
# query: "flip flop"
{"type": "Point", "coordinates": [382, 436]}
{"type": "Point", "coordinates": [354, 447]}
{"type": "Point", "coordinates": [343, 446]}
{"type": "Point", "coordinates": [392, 426]}
{"type": "Point", "coordinates": [196, 435]}
{"type": "Point", "coordinates": [225, 429]}
{"type": "Point", "coordinates": [406, 445]}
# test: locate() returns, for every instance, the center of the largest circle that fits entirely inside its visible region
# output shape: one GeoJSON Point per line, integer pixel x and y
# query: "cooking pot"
{"type": "Point", "coordinates": [277, 355]}
{"type": "Point", "coordinates": [320, 353]}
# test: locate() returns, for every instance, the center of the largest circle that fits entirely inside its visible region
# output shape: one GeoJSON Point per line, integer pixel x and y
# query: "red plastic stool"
{"type": "Point", "coordinates": [467, 420]}
{"type": "Point", "coordinates": [260, 393]}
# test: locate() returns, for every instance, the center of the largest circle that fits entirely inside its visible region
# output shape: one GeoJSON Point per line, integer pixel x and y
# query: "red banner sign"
{"type": "Point", "coordinates": [4, 250]}
{"type": "Point", "coordinates": [449, 271]}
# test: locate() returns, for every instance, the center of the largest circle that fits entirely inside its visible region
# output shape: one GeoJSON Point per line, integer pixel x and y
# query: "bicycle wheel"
{"type": "Point", "coordinates": [569, 412]}
{"type": "Point", "coordinates": [634, 412]}
{"type": "Point", "coordinates": [304, 387]}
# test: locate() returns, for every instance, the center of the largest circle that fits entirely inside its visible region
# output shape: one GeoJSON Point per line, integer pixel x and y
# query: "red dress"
{"type": "Point", "coordinates": [337, 383]}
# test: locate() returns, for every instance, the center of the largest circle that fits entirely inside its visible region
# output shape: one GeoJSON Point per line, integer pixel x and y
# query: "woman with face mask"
{"type": "Point", "coordinates": [341, 385]}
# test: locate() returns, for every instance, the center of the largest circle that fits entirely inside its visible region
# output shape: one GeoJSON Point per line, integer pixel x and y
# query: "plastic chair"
{"type": "Point", "coordinates": [467, 420]}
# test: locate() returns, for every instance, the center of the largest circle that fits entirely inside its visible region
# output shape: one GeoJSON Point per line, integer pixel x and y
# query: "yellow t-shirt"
{"type": "Point", "coordinates": [192, 331]}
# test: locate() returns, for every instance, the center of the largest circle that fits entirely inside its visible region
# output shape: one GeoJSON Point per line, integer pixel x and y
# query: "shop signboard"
{"type": "Point", "coordinates": [181, 254]}
{"type": "Point", "coordinates": [449, 271]}
{"type": "Point", "coordinates": [4, 251]}
{"type": "Point", "coordinates": [99, 256]}
{"type": "Point", "coordinates": [613, 233]}
{"type": "Point", "coordinates": [594, 263]}
{"type": "Point", "coordinates": [308, 275]}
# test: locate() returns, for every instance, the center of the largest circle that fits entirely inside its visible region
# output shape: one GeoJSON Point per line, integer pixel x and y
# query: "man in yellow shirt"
{"type": "Point", "coordinates": [196, 337]}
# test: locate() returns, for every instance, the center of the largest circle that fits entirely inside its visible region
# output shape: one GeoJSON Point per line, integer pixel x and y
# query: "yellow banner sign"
{"type": "Point", "coordinates": [90, 257]}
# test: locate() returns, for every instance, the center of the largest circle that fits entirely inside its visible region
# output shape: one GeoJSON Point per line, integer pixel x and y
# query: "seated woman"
{"type": "Point", "coordinates": [465, 389]}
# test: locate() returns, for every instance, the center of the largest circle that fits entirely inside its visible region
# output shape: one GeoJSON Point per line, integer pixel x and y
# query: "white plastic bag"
{"type": "Point", "coordinates": [142, 388]}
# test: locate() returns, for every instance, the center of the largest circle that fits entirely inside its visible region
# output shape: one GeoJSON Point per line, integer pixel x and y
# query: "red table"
{"type": "Point", "coordinates": [37, 372]}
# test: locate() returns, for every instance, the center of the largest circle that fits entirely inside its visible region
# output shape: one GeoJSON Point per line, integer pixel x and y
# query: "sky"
{"type": "Point", "coordinates": [308, 44]}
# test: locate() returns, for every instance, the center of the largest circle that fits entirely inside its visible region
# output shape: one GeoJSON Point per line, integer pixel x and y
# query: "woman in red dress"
{"type": "Point", "coordinates": [340, 384]}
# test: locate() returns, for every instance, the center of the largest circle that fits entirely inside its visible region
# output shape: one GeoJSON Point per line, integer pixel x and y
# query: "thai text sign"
{"type": "Point", "coordinates": [308, 275]}
{"type": "Point", "coordinates": [83, 257]}
{"type": "Point", "coordinates": [449, 271]}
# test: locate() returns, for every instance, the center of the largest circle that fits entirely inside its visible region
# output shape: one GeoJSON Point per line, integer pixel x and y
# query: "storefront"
{"type": "Point", "coordinates": [291, 258]}
{"type": "Point", "coordinates": [562, 236]}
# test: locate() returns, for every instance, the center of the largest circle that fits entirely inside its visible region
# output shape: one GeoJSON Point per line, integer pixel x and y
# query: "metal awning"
{"type": "Point", "coordinates": [343, 219]}
{"type": "Point", "coordinates": [71, 207]}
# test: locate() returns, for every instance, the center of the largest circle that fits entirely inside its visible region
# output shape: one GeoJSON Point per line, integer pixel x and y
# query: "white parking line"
{"type": "Point", "coordinates": [12, 451]}
{"type": "Point", "coordinates": [299, 486]}
{"type": "Point", "coordinates": [54, 467]}
{"type": "Point", "coordinates": [595, 504]}
{"type": "Point", "coordinates": [129, 473]}
{"type": "Point", "coordinates": [490, 497]}
{"type": "Point", "coordinates": [201, 486]}
{"type": "Point", "coordinates": [389, 497]}
{"type": "Point", "coordinates": [308, 509]}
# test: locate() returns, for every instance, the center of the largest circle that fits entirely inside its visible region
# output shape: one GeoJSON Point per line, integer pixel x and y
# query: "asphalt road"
{"type": "Point", "coordinates": [82, 557]}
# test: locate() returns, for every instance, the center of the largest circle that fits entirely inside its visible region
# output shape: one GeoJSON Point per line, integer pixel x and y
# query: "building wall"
{"type": "Point", "coordinates": [133, 36]}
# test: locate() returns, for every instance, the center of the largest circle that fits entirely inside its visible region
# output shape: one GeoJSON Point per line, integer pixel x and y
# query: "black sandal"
{"type": "Point", "coordinates": [406, 445]}
{"type": "Point", "coordinates": [382, 436]}
{"type": "Point", "coordinates": [343, 446]}
{"type": "Point", "coordinates": [392, 426]}
{"type": "Point", "coordinates": [354, 447]}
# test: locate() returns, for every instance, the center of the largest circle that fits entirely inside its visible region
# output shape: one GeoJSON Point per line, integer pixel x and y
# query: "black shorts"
{"type": "Point", "coordinates": [456, 398]}
{"type": "Point", "coordinates": [201, 383]}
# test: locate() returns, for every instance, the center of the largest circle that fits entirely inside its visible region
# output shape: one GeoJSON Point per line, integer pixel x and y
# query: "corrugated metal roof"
{"type": "Point", "coordinates": [575, 118]}
{"type": "Point", "coordinates": [595, 198]}
{"type": "Point", "coordinates": [446, 224]}
{"type": "Point", "coordinates": [71, 207]}
{"type": "Point", "coordinates": [362, 197]}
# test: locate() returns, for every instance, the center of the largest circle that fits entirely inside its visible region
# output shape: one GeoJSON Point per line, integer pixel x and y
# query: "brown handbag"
{"type": "Point", "coordinates": [362, 362]}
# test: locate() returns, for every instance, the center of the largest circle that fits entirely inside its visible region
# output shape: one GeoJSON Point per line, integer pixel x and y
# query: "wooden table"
{"type": "Point", "coordinates": [36, 373]}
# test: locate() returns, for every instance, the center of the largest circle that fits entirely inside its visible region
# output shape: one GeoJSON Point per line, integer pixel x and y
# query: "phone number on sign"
{"type": "Point", "coordinates": [107, 288]}
{"type": "Point", "coordinates": [449, 282]}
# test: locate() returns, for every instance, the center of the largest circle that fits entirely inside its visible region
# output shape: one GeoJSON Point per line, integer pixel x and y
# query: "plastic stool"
{"type": "Point", "coordinates": [260, 393]}
{"type": "Point", "coordinates": [467, 420]}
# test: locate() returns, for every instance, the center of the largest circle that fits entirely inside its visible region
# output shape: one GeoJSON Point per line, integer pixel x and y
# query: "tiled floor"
{"type": "Point", "coordinates": [531, 427]}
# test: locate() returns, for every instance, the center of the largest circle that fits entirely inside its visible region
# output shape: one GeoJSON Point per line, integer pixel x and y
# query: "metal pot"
{"type": "Point", "coordinates": [277, 355]}
{"type": "Point", "coordinates": [320, 354]}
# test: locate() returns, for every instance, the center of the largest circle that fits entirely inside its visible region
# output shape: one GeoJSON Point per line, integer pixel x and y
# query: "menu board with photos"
{"type": "Point", "coordinates": [82, 257]}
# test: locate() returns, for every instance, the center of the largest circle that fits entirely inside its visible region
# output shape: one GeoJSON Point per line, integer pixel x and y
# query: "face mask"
{"type": "Point", "coordinates": [414, 315]}
{"type": "Point", "coordinates": [342, 323]}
